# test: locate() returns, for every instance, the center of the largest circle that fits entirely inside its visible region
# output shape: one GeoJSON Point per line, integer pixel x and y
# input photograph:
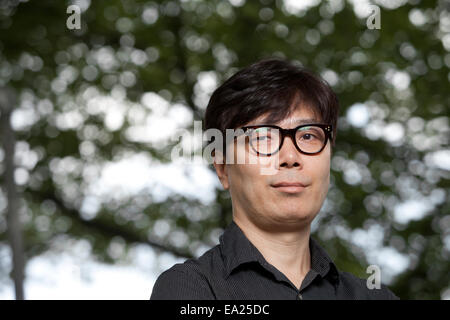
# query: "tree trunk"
{"type": "Point", "coordinates": [7, 102]}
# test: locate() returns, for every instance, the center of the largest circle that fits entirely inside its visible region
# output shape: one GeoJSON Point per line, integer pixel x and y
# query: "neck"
{"type": "Point", "coordinates": [286, 249]}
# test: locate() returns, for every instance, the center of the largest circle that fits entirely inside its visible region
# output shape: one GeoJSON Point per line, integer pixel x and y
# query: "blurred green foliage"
{"type": "Point", "coordinates": [128, 48]}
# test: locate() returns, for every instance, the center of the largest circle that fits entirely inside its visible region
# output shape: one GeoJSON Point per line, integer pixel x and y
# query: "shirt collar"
{"type": "Point", "coordinates": [321, 262]}
{"type": "Point", "coordinates": [236, 250]}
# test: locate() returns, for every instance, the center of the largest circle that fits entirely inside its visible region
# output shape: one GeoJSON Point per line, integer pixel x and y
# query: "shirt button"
{"type": "Point", "coordinates": [299, 296]}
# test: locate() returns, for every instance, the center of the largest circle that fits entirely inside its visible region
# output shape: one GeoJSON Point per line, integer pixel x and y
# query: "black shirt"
{"type": "Point", "coordinates": [236, 270]}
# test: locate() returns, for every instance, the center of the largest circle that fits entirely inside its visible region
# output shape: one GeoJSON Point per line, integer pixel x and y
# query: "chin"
{"type": "Point", "coordinates": [293, 215]}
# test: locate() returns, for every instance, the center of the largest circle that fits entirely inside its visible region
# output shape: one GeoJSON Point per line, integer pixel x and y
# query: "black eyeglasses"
{"type": "Point", "coordinates": [309, 139]}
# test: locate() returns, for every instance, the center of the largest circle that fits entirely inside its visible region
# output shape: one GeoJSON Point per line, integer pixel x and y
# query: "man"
{"type": "Point", "coordinates": [289, 118]}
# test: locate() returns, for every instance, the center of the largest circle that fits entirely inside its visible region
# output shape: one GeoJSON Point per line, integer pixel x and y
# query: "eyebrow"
{"type": "Point", "coordinates": [296, 121]}
{"type": "Point", "coordinates": [305, 121]}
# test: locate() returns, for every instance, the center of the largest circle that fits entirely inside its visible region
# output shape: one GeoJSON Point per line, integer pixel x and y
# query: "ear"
{"type": "Point", "coordinates": [221, 169]}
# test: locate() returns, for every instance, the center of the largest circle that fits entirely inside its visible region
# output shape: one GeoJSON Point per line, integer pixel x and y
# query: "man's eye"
{"type": "Point", "coordinates": [308, 136]}
{"type": "Point", "coordinates": [261, 138]}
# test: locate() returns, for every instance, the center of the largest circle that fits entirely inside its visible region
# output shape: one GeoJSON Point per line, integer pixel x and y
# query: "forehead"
{"type": "Point", "coordinates": [300, 115]}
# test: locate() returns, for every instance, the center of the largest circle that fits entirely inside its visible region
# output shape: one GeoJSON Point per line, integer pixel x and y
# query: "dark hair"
{"type": "Point", "coordinates": [274, 87]}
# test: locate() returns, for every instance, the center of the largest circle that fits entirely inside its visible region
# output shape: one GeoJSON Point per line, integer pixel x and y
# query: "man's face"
{"type": "Point", "coordinates": [261, 199]}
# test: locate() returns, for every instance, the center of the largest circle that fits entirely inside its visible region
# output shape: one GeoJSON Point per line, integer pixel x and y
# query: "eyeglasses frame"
{"type": "Point", "coordinates": [327, 128]}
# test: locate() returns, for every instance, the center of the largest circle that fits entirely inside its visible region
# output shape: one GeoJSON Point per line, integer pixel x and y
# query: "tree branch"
{"type": "Point", "coordinates": [107, 229]}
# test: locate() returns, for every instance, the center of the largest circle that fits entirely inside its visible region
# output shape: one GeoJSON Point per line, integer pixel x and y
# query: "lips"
{"type": "Point", "coordinates": [288, 184]}
{"type": "Point", "coordinates": [289, 187]}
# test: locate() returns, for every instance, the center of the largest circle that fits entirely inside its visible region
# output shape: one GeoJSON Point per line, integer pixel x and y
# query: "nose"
{"type": "Point", "coordinates": [289, 156]}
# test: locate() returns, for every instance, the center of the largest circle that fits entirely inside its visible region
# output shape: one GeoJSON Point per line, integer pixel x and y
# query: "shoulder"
{"type": "Point", "coordinates": [357, 288]}
{"type": "Point", "coordinates": [185, 281]}
{"type": "Point", "coordinates": [181, 282]}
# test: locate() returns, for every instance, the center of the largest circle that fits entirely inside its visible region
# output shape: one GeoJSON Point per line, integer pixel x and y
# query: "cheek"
{"type": "Point", "coordinates": [324, 178]}
{"type": "Point", "coordinates": [320, 171]}
{"type": "Point", "coordinates": [246, 181]}
{"type": "Point", "coordinates": [240, 178]}
{"type": "Point", "coordinates": [325, 170]}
